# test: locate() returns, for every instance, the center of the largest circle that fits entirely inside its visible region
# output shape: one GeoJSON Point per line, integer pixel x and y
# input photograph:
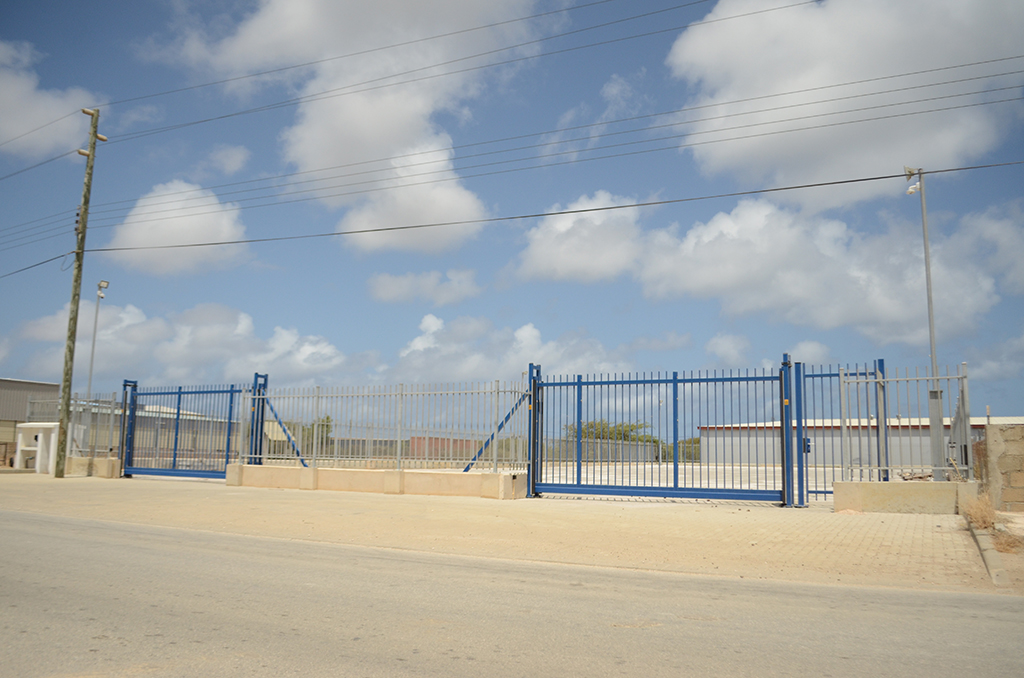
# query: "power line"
{"type": "Point", "coordinates": [556, 143]}
{"type": "Point", "coordinates": [337, 91]}
{"type": "Point", "coordinates": [608, 134]}
{"type": "Point", "coordinates": [321, 61]}
{"type": "Point", "coordinates": [38, 164]}
{"type": "Point", "coordinates": [36, 265]}
{"type": "Point", "coordinates": [366, 51]}
{"type": "Point", "coordinates": [320, 195]}
{"type": "Point", "coordinates": [187, 212]}
{"type": "Point", "coordinates": [25, 232]}
{"type": "Point", "coordinates": [537, 215]}
{"type": "Point", "coordinates": [635, 118]}
{"type": "Point", "coordinates": [347, 89]}
{"type": "Point", "coordinates": [555, 213]}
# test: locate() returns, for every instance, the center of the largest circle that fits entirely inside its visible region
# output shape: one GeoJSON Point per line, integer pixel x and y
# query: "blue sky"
{"type": "Point", "coordinates": [398, 113]}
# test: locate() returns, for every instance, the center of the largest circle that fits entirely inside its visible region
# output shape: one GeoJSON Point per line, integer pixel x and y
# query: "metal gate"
{"type": "Point", "coordinates": [905, 426]}
{"type": "Point", "coordinates": [713, 435]}
{"type": "Point", "coordinates": [181, 431]}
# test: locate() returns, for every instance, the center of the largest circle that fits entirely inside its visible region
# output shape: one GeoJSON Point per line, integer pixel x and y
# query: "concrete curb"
{"type": "Point", "coordinates": [993, 561]}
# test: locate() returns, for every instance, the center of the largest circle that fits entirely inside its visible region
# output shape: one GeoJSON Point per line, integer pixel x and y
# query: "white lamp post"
{"type": "Point", "coordinates": [935, 423]}
{"type": "Point", "coordinates": [103, 284]}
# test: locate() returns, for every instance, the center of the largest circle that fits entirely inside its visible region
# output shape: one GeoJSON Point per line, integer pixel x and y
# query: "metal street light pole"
{"type": "Point", "coordinates": [103, 284]}
{"type": "Point", "coordinates": [76, 290]}
{"type": "Point", "coordinates": [935, 423]}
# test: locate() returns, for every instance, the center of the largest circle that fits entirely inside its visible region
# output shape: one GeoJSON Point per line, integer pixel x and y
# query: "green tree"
{"type": "Point", "coordinates": [689, 449]}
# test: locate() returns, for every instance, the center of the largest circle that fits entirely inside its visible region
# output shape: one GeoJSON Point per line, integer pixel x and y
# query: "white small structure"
{"type": "Point", "coordinates": [37, 447]}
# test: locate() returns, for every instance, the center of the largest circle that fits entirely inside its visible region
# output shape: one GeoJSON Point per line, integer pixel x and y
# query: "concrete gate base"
{"type": "Point", "coordinates": [903, 497]}
{"type": "Point", "coordinates": [381, 481]}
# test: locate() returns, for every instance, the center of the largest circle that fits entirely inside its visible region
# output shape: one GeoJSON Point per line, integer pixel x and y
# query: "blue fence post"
{"type": "Point", "coordinates": [177, 424]}
{"type": "Point", "coordinates": [259, 390]}
{"type": "Point", "coordinates": [675, 429]}
{"type": "Point", "coordinates": [128, 425]}
{"type": "Point", "coordinates": [579, 429]}
{"type": "Point", "coordinates": [785, 424]}
{"type": "Point", "coordinates": [231, 413]}
{"type": "Point", "coordinates": [533, 441]}
{"type": "Point", "coordinates": [798, 412]}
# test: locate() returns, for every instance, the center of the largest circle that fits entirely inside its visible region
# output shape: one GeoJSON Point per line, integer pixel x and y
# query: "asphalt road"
{"type": "Point", "coordinates": [93, 598]}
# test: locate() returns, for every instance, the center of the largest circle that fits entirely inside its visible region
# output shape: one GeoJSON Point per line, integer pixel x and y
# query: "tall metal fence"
{"type": "Point", "coordinates": [472, 425]}
{"type": "Point", "coordinates": [94, 427]}
{"type": "Point", "coordinates": [885, 427]}
{"type": "Point", "coordinates": [786, 434]}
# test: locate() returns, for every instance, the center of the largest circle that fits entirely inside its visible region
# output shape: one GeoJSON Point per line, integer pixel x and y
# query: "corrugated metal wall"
{"type": "Point", "coordinates": [14, 397]}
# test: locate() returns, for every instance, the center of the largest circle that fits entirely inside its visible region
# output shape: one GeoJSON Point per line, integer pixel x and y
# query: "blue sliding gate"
{"type": "Point", "coordinates": [735, 434]}
{"type": "Point", "coordinates": [181, 431]}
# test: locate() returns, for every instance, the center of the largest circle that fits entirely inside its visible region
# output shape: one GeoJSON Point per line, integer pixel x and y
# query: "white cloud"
{"type": "Point", "coordinates": [429, 326]}
{"type": "Point", "coordinates": [458, 286]}
{"type": "Point", "coordinates": [1004, 361]}
{"type": "Point", "coordinates": [229, 159]}
{"type": "Point", "coordinates": [729, 350]}
{"type": "Point", "coordinates": [810, 352]}
{"type": "Point", "coordinates": [670, 341]}
{"type": "Point", "coordinates": [587, 247]}
{"type": "Point", "coordinates": [25, 106]}
{"type": "Point", "coordinates": [371, 123]}
{"type": "Point", "coordinates": [472, 348]}
{"type": "Point", "coordinates": [620, 101]}
{"type": "Point", "coordinates": [997, 238]}
{"type": "Point", "coordinates": [826, 43]}
{"type": "Point", "coordinates": [139, 114]}
{"type": "Point", "coordinates": [817, 272]}
{"type": "Point", "coordinates": [209, 343]}
{"type": "Point", "coordinates": [804, 269]}
{"type": "Point", "coordinates": [179, 213]}
{"type": "Point", "coordinates": [213, 343]}
{"type": "Point", "coordinates": [444, 202]}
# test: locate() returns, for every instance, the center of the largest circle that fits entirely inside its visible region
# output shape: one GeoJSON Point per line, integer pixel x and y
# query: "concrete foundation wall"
{"type": "Point", "coordinates": [99, 467]}
{"type": "Point", "coordinates": [382, 481]}
{"type": "Point", "coordinates": [1005, 466]}
{"type": "Point", "coordinates": [902, 497]}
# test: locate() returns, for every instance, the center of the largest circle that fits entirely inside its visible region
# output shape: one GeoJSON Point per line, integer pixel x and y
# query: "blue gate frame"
{"type": "Point", "coordinates": [702, 409]}
{"type": "Point", "coordinates": [170, 440]}
{"type": "Point", "coordinates": [756, 431]}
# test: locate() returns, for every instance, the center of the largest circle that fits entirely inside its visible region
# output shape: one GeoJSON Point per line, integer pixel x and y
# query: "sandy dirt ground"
{"type": "Point", "coordinates": [747, 540]}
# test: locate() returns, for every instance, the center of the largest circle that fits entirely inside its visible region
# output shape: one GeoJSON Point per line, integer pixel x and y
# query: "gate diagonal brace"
{"type": "Point", "coordinates": [489, 440]}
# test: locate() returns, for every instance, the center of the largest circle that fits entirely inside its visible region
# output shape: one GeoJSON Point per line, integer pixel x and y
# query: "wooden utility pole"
{"type": "Point", "coordinates": [76, 289]}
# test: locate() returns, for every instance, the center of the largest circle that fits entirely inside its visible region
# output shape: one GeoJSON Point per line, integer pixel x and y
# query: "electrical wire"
{"type": "Point", "coordinates": [519, 217]}
{"type": "Point", "coordinates": [403, 156]}
{"type": "Point", "coordinates": [337, 92]}
{"type": "Point", "coordinates": [562, 142]}
{"type": "Point", "coordinates": [347, 89]}
{"type": "Point", "coordinates": [188, 211]}
{"type": "Point", "coordinates": [191, 211]}
{"type": "Point", "coordinates": [319, 61]}
{"type": "Point", "coordinates": [582, 127]}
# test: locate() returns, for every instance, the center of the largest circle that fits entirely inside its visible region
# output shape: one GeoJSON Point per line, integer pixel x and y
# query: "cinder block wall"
{"type": "Point", "coordinates": [1005, 466]}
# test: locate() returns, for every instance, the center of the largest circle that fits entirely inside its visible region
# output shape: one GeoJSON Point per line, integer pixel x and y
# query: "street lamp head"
{"type": "Point", "coordinates": [104, 284]}
{"type": "Point", "coordinates": [909, 172]}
